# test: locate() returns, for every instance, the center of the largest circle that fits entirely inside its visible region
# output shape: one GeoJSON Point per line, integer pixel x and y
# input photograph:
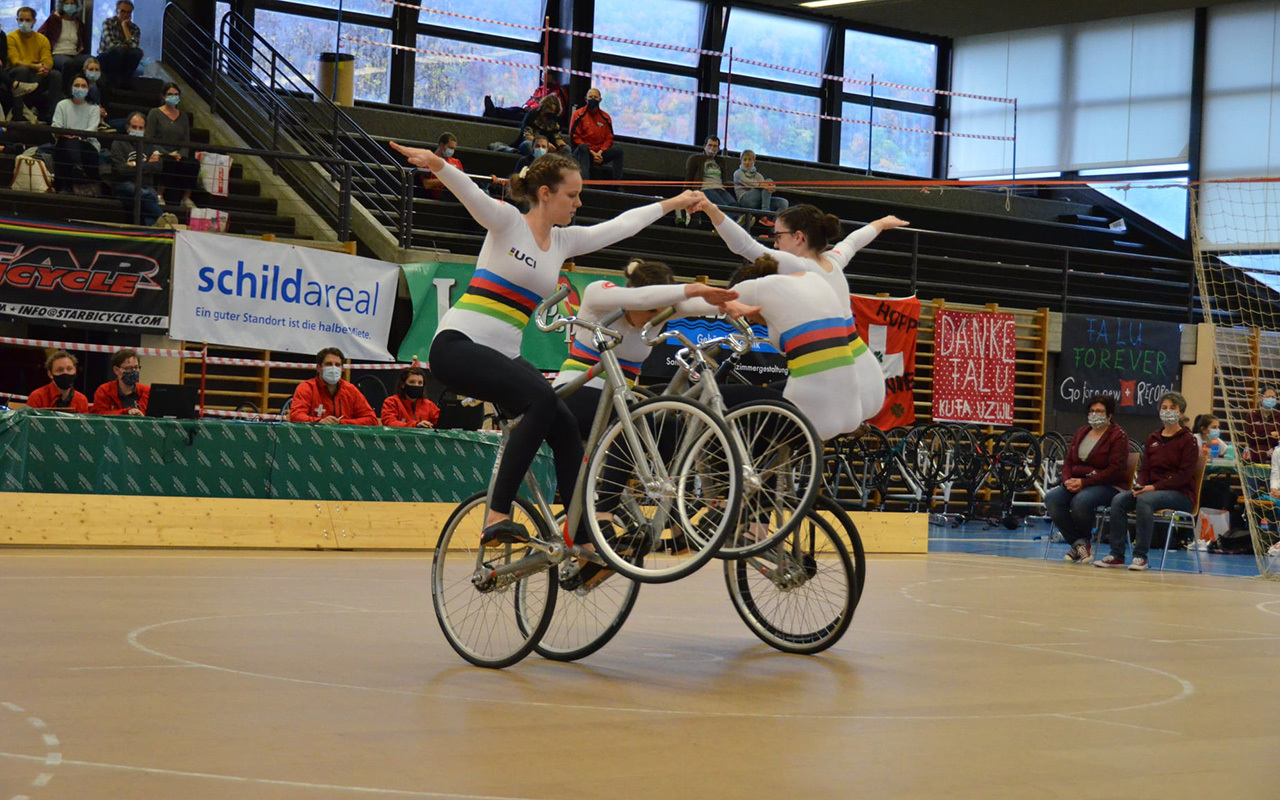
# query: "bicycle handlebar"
{"type": "Point", "coordinates": [601, 329]}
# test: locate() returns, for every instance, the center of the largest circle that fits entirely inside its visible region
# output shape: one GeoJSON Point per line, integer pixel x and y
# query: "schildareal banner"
{"type": "Point", "coordinates": [267, 296]}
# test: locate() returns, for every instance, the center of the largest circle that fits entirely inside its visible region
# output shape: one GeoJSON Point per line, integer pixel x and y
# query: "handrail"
{"type": "Point", "coordinates": [254, 88]}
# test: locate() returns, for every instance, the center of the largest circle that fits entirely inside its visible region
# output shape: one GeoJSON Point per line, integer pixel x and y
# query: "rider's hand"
{"type": "Point", "coordinates": [712, 294]}
{"type": "Point", "coordinates": [737, 310]}
{"type": "Point", "coordinates": [420, 157]}
{"type": "Point", "coordinates": [885, 223]}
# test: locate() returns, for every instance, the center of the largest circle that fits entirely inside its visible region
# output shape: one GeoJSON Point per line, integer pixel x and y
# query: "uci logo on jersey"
{"type": "Point", "coordinates": [518, 256]}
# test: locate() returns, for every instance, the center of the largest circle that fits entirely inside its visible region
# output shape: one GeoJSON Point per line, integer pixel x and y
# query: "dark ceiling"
{"type": "Point", "coordinates": [954, 18]}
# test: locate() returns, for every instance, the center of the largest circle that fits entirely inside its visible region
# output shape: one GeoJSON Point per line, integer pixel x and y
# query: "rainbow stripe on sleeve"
{"type": "Point", "coordinates": [582, 358]}
{"type": "Point", "coordinates": [494, 296]}
{"type": "Point", "coordinates": [820, 345]}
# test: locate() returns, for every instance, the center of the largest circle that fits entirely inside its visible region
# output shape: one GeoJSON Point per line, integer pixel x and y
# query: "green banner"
{"type": "Point", "coordinates": [53, 452]}
{"type": "Point", "coordinates": [435, 286]}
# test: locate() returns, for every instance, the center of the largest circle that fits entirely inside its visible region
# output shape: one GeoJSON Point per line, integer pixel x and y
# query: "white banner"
{"type": "Point", "coordinates": [267, 296]}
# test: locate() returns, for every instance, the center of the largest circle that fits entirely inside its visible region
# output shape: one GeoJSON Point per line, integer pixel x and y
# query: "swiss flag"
{"type": "Point", "coordinates": [1127, 391]}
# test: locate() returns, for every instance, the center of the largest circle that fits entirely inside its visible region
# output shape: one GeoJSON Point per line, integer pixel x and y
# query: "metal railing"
{"type": "Point", "coordinates": [277, 109]}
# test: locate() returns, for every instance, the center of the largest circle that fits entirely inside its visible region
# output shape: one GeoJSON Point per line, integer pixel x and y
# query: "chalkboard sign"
{"type": "Point", "coordinates": [1134, 361]}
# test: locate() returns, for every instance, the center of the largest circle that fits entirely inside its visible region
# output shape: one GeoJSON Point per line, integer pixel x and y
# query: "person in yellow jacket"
{"type": "Point", "coordinates": [31, 65]}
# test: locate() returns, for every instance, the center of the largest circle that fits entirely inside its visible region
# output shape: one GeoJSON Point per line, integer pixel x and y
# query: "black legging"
{"type": "Point", "coordinates": [518, 388]}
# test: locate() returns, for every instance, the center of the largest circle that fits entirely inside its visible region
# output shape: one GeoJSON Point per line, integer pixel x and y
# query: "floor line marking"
{"type": "Point", "coordinates": [1118, 724]}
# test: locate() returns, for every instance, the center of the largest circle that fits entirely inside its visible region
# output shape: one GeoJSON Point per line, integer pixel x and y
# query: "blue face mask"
{"type": "Point", "coordinates": [331, 375]}
{"type": "Point", "coordinates": [79, 92]}
{"type": "Point", "coordinates": [69, 9]}
{"type": "Point", "coordinates": [136, 132]}
{"type": "Point", "coordinates": [172, 99]}
{"type": "Point", "coordinates": [448, 153]}
{"type": "Point", "coordinates": [1268, 402]}
{"type": "Point", "coordinates": [91, 77]}
{"type": "Point", "coordinates": [539, 152]}
{"type": "Point", "coordinates": [130, 378]}
{"type": "Point", "coordinates": [26, 27]}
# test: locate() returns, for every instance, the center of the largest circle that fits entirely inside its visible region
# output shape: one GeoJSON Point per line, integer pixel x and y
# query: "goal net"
{"type": "Point", "coordinates": [1236, 239]}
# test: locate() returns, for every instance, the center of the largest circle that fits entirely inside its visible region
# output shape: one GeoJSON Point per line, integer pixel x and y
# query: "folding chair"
{"type": "Point", "coordinates": [1177, 520]}
{"type": "Point", "coordinates": [1131, 469]}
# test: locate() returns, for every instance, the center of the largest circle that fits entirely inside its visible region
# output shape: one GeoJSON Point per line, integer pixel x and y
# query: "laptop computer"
{"type": "Point", "coordinates": [172, 401]}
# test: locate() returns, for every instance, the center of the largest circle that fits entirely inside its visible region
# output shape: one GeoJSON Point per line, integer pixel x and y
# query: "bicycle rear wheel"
{"type": "Point", "coordinates": [494, 606]}
{"type": "Point", "coordinates": [695, 490]}
{"type": "Point", "coordinates": [800, 595]}
{"type": "Point", "coordinates": [585, 618]}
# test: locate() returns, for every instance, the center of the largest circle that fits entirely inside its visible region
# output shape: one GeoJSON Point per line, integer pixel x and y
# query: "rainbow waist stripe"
{"type": "Point", "coordinates": [494, 296]}
{"type": "Point", "coordinates": [582, 358]}
{"type": "Point", "coordinates": [820, 345]}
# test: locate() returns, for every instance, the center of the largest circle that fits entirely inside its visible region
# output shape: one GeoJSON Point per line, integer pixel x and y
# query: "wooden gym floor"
{"type": "Point", "coordinates": [256, 676]}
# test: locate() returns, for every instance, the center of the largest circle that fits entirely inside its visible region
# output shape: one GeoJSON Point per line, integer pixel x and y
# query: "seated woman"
{"type": "Point", "coordinates": [542, 121]}
{"type": "Point", "coordinates": [1166, 481]}
{"type": "Point", "coordinates": [75, 157]}
{"type": "Point", "coordinates": [409, 407]}
{"type": "Point", "coordinates": [1094, 472]}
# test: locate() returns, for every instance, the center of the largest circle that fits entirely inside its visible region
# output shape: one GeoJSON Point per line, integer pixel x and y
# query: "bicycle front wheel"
{"type": "Point", "coordinates": [669, 466]}
{"type": "Point", "coordinates": [800, 595]}
{"type": "Point", "coordinates": [493, 605]}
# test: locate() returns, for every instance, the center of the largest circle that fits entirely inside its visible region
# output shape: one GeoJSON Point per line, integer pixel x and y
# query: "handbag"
{"type": "Point", "coordinates": [209, 220]}
{"type": "Point", "coordinates": [31, 175]}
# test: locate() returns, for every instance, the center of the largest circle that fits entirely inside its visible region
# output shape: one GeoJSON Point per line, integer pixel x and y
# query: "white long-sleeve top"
{"type": "Point", "coordinates": [83, 117]}
{"type": "Point", "coordinates": [830, 266]}
{"type": "Point", "coordinates": [513, 275]}
{"type": "Point", "coordinates": [836, 383]}
{"type": "Point", "coordinates": [601, 299]}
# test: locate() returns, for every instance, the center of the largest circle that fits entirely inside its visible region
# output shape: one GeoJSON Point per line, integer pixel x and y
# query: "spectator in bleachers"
{"type": "Point", "coordinates": [124, 395]}
{"type": "Point", "coordinates": [542, 121]}
{"type": "Point", "coordinates": [124, 172]}
{"type": "Point", "coordinates": [516, 113]}
{"type": "Point", "coordinates": [118, 48]}
{"type": "Point", "coordinates": [446, 147]}
{"type": "Point", "coordinates": [60, 392]}
{"type": "Point", "coordinates": [409, 407]}
{"type": "Point", "coordinates": [75, 158]}
{"type": "Point", "coordinates": [755, 191]}
{"type": "Point", "coordinates": [591, 131]}
{"type": "Point", "coordinates": [31, 61]}
{"type": "Point", "coordinates": [168, 123]}
{"type": "Point", "coordinates": [68, 42]}
{"type": "Point", "coordinates": [327, 399]}
{"type": "Point", "coordinates": [540, 148]}
{"type": "Point", "coordinates": [707, 169]}
{"type": "Point", "coordinates": [1262, 428]}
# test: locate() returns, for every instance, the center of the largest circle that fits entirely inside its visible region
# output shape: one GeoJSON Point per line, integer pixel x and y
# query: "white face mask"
{"type": "Point", "coordinates": [1170, 417]}
{"type": "Point", "coordinates": [26, 27]}
{"type": "Point", "coordinates": [1097, 421]}
{"type": "Point", "coordinates": [331, 375]}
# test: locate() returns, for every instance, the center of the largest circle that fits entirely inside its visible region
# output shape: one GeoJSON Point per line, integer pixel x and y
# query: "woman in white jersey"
{"type": "Point", "coordinates": [801, 234]}
{"type": "Point", "coordinates": [476, 350]}
{"type": "Point", "coordinates": [835, 382]}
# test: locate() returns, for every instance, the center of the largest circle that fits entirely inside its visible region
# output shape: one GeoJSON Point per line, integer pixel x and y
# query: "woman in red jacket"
{"type": "Point", "coordinates": [408, 407]}
{"type": "Point", "coordinates": [1166, 480]}
{"type": "Point", "coordinates": [1093, 473]}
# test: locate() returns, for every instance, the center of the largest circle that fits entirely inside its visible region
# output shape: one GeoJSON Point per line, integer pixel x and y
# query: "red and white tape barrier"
{"type": "Point", "coordinates": [98, 348]}
{"type": "Point", "coordinates": [251, 416]}
{"type": "Point", "coordinates": [11, 396]}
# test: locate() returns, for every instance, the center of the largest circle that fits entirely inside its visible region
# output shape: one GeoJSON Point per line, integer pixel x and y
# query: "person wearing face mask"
{"type": "Point", "coordinates": [1094, 472]}
{"type": "Point", "coordinates": [169, 124]}
{"type": "Point", "coordinates": [31, 62]}
{"type": "Point", "coordinates": [446, 148]}
{"type": "Point", "coordinates": [68, 41]}
{"type": "Point", "coordinates": [540, 148]}
{"type": "Point", "coordinates": [707, 170]}
{"type": "Point", "coordinates": [1261, 426]}
{"type": "Point", "coordinates": [60, 393]}
{"type": "Point", "coordinates": [124, 172]}
{"type": "Point", "coordinates": [124, 395]}
{"type": "Point", "coordinates": [476, 350]}
{"type": "Point", "coordinates": [118, 47]}
{"type": "Point", "coordinates": [1166, 481]}
{"type": "Point", "coordinates": [591, 131]}
{"type": "Point", "coordinates": [542, 121]}
{"type": "Point", "coordinates": [75, 157]}
{"type": "Point", "coordinates": [329, 400]}
{"type": "Point", "coordinates": [409, 406]}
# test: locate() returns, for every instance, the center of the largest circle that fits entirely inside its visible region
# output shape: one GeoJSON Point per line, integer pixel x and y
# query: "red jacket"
{"type": "Point", "coordinates": [312, 403]}
{"type": "Point", "coordinates": [52, 29]}
{"type": "Point", "coordinates": [401, 412]}
{"type": "Point", "coordinates": [49, 395]}
{"type": "Point", "coordinates": [107, 399]}
{"type": "Point", "coordinates": [1170, 463]}
{"type": "Point", "coordinates": [594, 128]}
{"type": "Point", "coordinates": [1107, 464]}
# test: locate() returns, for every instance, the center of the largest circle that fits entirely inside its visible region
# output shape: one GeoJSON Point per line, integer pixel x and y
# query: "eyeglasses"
{"type": "Point", "coordinates": [779, 234]}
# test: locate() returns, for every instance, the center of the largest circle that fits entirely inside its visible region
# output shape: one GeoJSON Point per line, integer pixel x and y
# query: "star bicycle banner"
{"type": "Point", "coordinates": [290, 299]}
{"type": "Point", "coordinates": [889, 326]}
{"type": "Point", "coordinates": [974, 360]}
{"type": "Point", "coordinates": [1134, 361]}
{"type": "Point", "coordinates": [85, 276]}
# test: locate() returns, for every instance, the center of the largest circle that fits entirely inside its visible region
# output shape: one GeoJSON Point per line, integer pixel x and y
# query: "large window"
{"type": "Point", "coordinates": [522, 16]}
{"type": "Point", "coordinates": [901, 142]}
{"type": "Point", "coordinates": [301, 39]}
{"type": "Point", "coordinates": [672, 22]}
{"type": "Point", "coordinates": [753, 125]}
{"type": "Point", "coordinates": [646, 112]}
{"type": "Point", "coordinates": [888, 60]}
{"type": "Point", "coordinates": [460, 85]}
{"type": "Point", "coordinates": [778, 40]}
